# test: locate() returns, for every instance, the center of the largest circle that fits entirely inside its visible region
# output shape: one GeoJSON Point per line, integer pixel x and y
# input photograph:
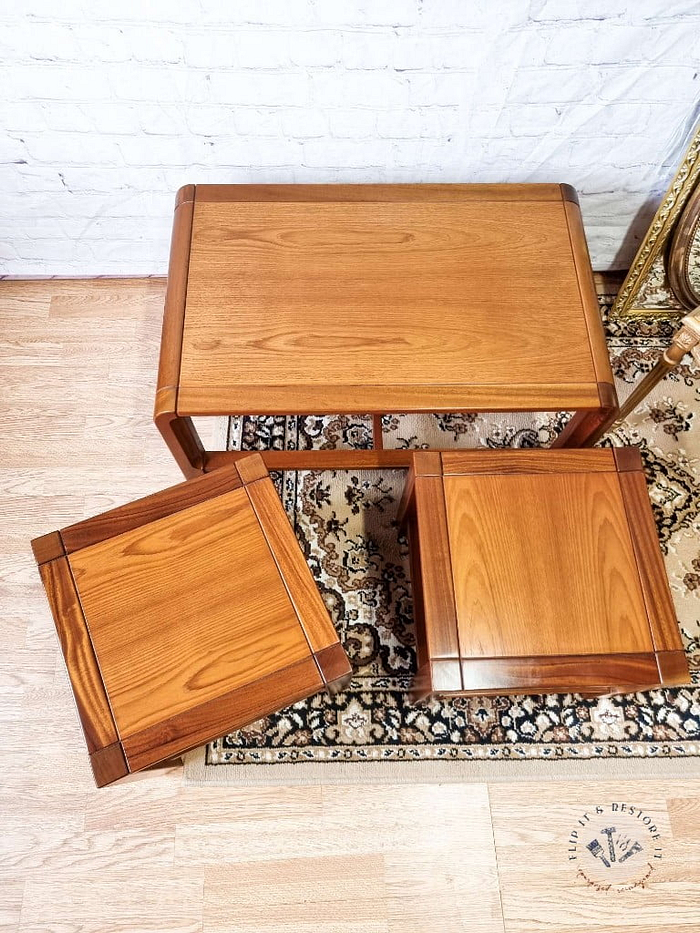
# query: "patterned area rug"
{"type": "Point", "coordinates": [346, 524]}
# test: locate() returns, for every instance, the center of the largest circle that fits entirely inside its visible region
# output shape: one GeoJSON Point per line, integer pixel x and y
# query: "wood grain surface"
{"type": "Point", "coordinates": [557, 577]}
{"type": "Point", "coordinates": [333, 664]}
{"type": "Point", "coordinates": [500, 462]}
{"type": "Point", "coordinates": [140, 512]}
{"type": "Point", "coordinates": [48, 547]}
{"type": "Point", "coordinates": [425, 293]}
{"type": "Point", "coordinates": [178, 433]}
{"type": "Point", "coordinates": [589, 298]}
{"type": "Point", "coordinates": [377, 398]}
{"type": "Point", "coordinates": [673, 666]}
{"type": "Point", "coordinates": [380, 193]}
{"type": "Point", "coordinates": [591, 673]}
{"type": "Point", "coordinates": [186, 614]}
{"type": "Point", "coordinates": [438, 591]}
{"type": "Point", "coordinates": [319, 459]}
{"type": "Point", "coordinates": [280, 687]}
{"type": "Point", "coordinates": [108, 764]}
{"type": "Point", "coordinates": [176, 292]}
{"type": "Point", "coordinates": [171, 627]}
{"type": "Point", "coordinates": [652, 572]}
{"type": "Point", "coordinates": [543, 565]}
{"type": "Point", "coordinates": [94, 708]}
{"type": "Point", "coordinates": [252, 468]}
{"type": "Point", "coordinates": [291, 565]}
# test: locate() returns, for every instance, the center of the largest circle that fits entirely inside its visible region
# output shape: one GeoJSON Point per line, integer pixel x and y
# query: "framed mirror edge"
{"type": "Point", "coordinates": [680, 191]}
{"type": "Point", "coordinates": [679, 256]}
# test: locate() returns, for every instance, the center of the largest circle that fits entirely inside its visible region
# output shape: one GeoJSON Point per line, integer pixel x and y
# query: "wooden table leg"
{"type": "Point", "coordinates": [178, 432]}
{"type": "Point", "coordinates": [377, 439]}
{"type": "Point", "coordinates": [587, 427]}
{"type": "Point", "coordinates": [180, 435]}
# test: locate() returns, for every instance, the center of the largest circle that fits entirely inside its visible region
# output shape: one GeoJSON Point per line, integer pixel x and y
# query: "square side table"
{"type": "Point", "coordinates": [186, 615]}
{"type": "Point", "coordinates": [538, 571]}
{"type": "Point", "coordinates": [371, 299]}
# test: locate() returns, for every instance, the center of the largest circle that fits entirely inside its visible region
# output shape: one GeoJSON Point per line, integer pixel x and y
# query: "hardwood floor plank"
{"type": "Point", "coordinates": [328, 894]}
{"type": "Point", "coordinates": [169, 805]}
{"type": "Point", "coordinates": [49, 854]}
{"type": "Point", "coordinates": [684, 816]}
{"type": "Point", "coordinates": [545, 887]}
{"type": "Point", "coordinates": [443, 891]}
{"type": "Point", "coordinates": [11, 904]}
{"type": "Point", "coordinates": [140, 898]}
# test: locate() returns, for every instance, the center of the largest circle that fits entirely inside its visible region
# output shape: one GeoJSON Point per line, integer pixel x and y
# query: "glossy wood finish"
{"type": "Point", "coordinates": [501, 462]}
{"type": "Point", "coordinates": [377, 193]}
{"type": "Point", "coordinates": [284, 548]}
{"type": "Point", "coordinates": [48, 547]}
{"type": "Point", "coordinates": [90, 695]}
{"type": "Point", "coordinates": [599, 674]}
{"type": "Point", "coordinates": [589, 297]}
{"type": "Point", "coordinates": [378, 294]}
{"type": "Point", "coordinates": [258, 398]}
{"type": "Point", "coordinates": [532, 551]}
{"type": "Point", "coordinates": [584, 428]}
{"type": "Point", "coordinates": [430, 536]}
{"type": "Point", "coordinates": [404, 459]}
{"type": "Point", "coordinates": [225, 713]}
{"type": "Point", "coordinates": [385, 459]}
{"type": "Point", "coordinates": [185, 615]}
{"type": "Point", "coordinates": [379, 298]}
{"type": "Point", "coordinates": [134, 515]}
{"type": "Point", "coordinates": [556, 581]}
{"type": "Point", "coordinates": [646, 549]}
{"type": "Point", "coordinates": [178, 432]}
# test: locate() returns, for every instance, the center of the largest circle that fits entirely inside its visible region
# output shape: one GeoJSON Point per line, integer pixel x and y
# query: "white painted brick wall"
{"type": "Point", "coordinates": [108, 108]}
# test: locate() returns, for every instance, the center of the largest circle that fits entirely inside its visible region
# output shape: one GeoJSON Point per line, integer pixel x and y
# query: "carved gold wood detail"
{"type": "Point", "coordinates": [687, 339]}
{"type": "Point", "coordinates": [655, 242]}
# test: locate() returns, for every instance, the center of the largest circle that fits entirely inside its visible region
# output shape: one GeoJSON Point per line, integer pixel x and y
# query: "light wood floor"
{"type": "Point", "coordinates": [77, 364]}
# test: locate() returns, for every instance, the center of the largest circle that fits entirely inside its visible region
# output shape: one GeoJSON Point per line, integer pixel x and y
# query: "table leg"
{"type": "Point", "coordinates": [585, 428]}
{"type": "Point", "coordinates": [588, 426]}
{"type": "Point", "coordinates": [181, 437]}
{"type": "Point", "coordinates": [377, 439]}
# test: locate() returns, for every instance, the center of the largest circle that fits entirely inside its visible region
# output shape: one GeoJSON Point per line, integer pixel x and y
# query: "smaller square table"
{"type": "Point", "coordinates": [186, 615]}
{"type": "Point", "coordinates": [538, 571]}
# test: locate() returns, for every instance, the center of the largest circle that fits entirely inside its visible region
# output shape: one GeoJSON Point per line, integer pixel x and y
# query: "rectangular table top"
{"type": "Point", "coordinates": [380, 298]}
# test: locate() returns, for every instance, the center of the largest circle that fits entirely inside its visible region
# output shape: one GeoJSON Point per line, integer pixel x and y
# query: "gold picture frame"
{"type": "Point", "coordinates": [646, 289]}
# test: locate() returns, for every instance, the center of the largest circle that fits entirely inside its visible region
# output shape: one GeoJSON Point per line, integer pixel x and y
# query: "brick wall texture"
{"type": "Point", "coordinates": [107, 108]}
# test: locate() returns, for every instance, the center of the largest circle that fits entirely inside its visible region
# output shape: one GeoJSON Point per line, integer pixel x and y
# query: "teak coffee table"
{"type": "Point", "coordinates": [186, 615]}
{"type": "Point", "coordinates": [373, 299]}
{"type": "Point", "coordinates": [538, 571]}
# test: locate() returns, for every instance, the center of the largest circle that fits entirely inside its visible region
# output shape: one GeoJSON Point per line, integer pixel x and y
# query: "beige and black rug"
{"type": "Point", "coordinates": [346, 524]}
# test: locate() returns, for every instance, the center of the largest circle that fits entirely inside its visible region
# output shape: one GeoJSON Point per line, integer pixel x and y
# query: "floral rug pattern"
{"type": "Point", "coordinates": [346, 525]}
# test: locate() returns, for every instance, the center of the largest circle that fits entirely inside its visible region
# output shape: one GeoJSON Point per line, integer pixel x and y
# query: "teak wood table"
{"type": "Point", "coordinates": [373, 299]}
{"type": "Point", "coordinates": [538, 572]}
{"type": "Point", "coordinates": [186, 615]}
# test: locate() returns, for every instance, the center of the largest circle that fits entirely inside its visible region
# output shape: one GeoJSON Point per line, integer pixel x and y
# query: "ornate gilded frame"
{"type": "Point", "coordinates": [683, 250]}
{"type": "Point", "coordinates": [658, 236]}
